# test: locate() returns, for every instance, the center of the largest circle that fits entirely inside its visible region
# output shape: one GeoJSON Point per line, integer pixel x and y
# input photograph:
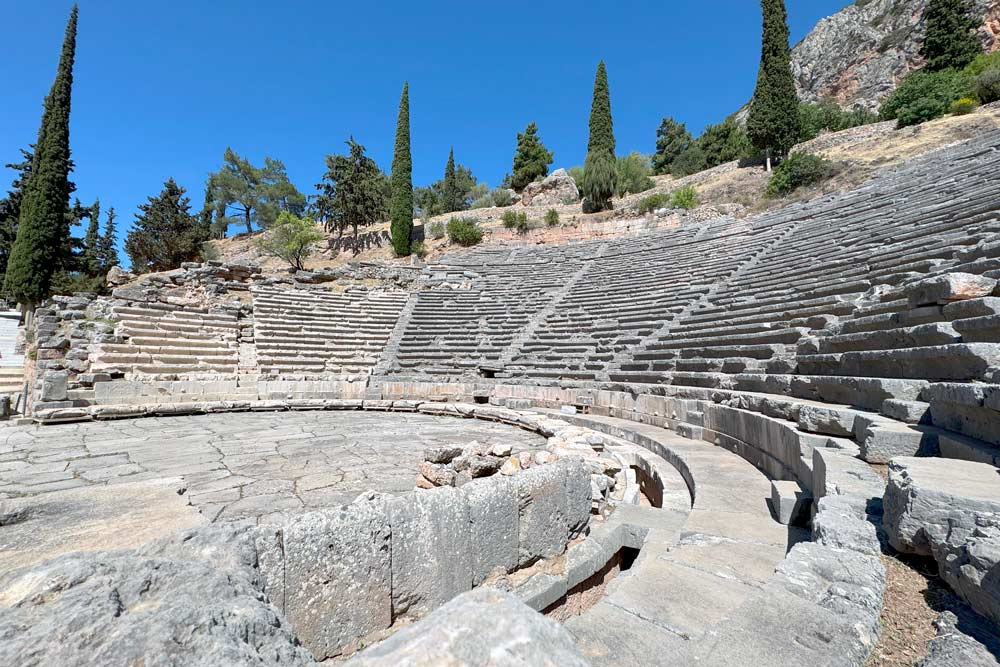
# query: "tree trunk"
{"type": "Point", "coordinates": [246, 213]}
{"type": "Point", "coordinates": [767, 153]}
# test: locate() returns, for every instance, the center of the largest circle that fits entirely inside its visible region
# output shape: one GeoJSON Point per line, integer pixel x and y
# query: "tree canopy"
{"type": "Point", "coordinates": [43, 224]}
{"type": "Point", "coordinates": [672, 139]}
{"type": "Point", "coordinates": [354, 192]}
{"type": "Point", "coordinates": [950, 39]}
{"type": "Point", "coordinates": [599, 168]}
{"type": "Point", "coordinates": [243, 192]}
{"type": "Point", "coordinates": [773, 123]}
{"type": "Point", "coordinates": [291, 239]}
{"type": "Point", "coordinates": [531, 158]}
{"type": "Point", "coordinates": [164, 234]}
{"type": "Point", "coordinates": [401, 201]}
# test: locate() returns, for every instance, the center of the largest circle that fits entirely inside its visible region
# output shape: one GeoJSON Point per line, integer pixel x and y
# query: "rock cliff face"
{"type": "Point", "coordinates": [858, 56]}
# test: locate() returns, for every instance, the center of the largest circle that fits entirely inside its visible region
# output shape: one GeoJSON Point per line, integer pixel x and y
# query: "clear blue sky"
{"type": "Point", "coordinates": [162, 88]}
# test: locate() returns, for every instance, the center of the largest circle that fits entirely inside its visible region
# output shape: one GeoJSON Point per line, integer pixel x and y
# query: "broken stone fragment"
{"type": "Point", "coordinates": [949, 287]}
{"type": "Point", "coordinates": [437, 474]}
{"type": "Point", "coordinates": [443, 454]}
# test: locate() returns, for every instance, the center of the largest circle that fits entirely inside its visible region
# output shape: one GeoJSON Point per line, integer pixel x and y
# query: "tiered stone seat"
{"type": "Point", "coordinates": [321, 332]}
{"type": "Point", "coordinates": [158, 339]}
{"type": "Point", "coordinates": [468, 319]}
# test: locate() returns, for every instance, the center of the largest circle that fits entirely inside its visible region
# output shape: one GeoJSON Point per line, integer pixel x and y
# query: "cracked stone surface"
{"type": "Point", "coordinates": [241, 466]}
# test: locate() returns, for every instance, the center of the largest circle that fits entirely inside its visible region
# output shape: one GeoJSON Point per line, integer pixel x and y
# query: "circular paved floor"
{"type": "Point", "coordinates": [241, 465]}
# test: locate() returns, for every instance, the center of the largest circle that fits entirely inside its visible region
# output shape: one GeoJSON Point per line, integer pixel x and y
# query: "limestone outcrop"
{"type": "Point", "coordinates": [556, 189]}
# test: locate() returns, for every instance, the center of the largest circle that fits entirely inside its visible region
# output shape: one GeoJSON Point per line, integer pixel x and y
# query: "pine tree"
{"type": "Point", "coordinates": [106, 251]}
{"type": "Point", "coordinates": [91, 261]}
{"type": "Point", "coordinates": [164, 234]}
{"type": "Point", "coordinates": [599, 173]}
{"type": "Point", "coordinates": [453, 196]}
{"type": "Point", "coordinates": [950, 40]}
{"type": "Point", "coordinates": [43, 231]}
{"type": "Point", "coordinates": [672, 139]}
{"type": "Point", "coordinates": [773, 123]}
{"type": "Point", "coordinates": [401, 184]}
{"type": "Point", "coordinates": [531, 159]}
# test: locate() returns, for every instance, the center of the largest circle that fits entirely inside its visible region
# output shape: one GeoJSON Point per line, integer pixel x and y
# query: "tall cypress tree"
{"type": "Point", "coordinates": [599, 172]}
{"type": "Point", "coordinates": [773, 123]}
{"type": "Point", "coordinates": [950, 40]}
{"type": "Point", "coordinates": [452, 193]}
{"type": "Point", "coordinates": [401, 180]}
{"type": "Point", "coordinates": [43, 230]}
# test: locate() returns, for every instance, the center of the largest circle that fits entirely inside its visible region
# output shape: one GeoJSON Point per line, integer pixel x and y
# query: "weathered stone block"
{"type": "Point", "coordinates": [790, 503]}
{"type": "Point", "coordinates": [481, 627]}
{"type": "Point", "coordinates": [432, 559]}
{"type": "Point", "coordinates": [949, 510]}
{"type": "Point", "coordinates": [493, 511]}
{"type": "Point", "coordinates": [949, 287]}
{"type": "Point", "coordinates": [54, 386]}
{"type": "Point", "coordinates": [338, 576]}
{"type": "Point", "coordinates": [543, 513]}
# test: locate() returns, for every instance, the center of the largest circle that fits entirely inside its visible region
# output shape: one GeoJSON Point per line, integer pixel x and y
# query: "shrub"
{"type": "Point", "coordinates": [292, 239]}
{"type": "Point", "coordinates": [501, 197]}
{"type": "Point", "coordinates": [464, 231]}
{"type": "Point", "coordinates": [515, 220]}
{"type": "Point", "coordinates": [924, 96]}
{"type": "Point", "coordinates": [576, 173]}
{"type": "Point", "coordinates": [653, 202]}
{"type": "Point", "coordinates": [684, 197]}
{"type": "Point", "coordinates": [633, 172]}
{"type": "Point", "coordinates": [552, 217]}
{"type": "Point", "coordinates": [987, 85]}
{"type": "Point", "coordinates": [797, 171]}
{"type": "Point", "coordinates": [418, 249]}
{"type": "Point", "coordinates": [983, 62]}
{"type": "Point", "coordinates": [437, 230]}
{"type": "Point", "coordinates": [689, 162]}
{"type": "Point", "coordinates": [963, 105]}
{"type": "Point", "coordinates": [827, 116]}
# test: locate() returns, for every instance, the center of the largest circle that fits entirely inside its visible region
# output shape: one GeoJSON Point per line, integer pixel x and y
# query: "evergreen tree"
{"type": "Point", "coordinates": [951, 39]}
{"type": "Point", "coordinates": [91, 260]}
{"type": "Point", "coordinates": [453, 197]}
{"type": "Point", "coordinates": [354, 190]}
{"type": "Point", "coordinates": [773, 123]}
{"type": "Point", "coordinates": [256, 195]}
{"type": "Point", "coordinates": [164, 234]}
{"type": "Point", "coordinates": [531, 159]}
{"type": "Point", "coordinates": [42, 227]}
{"type": "Point", "coordinates": [599, 169]}
{"type": "Point", "coordinates": [106, 251]}
{"type": "Point", "coordinates": [672, 139]}
{"type": "Point", "coordinates": [10, 207]}
{"type": "Point", "coordinates": [401, 204]}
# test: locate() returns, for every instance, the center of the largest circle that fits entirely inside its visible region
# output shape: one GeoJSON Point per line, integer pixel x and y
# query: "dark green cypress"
{"type": "Point", "coordinates": [531, 159]}
{"type": "Point", "coordinates": [42, 228]}
{"type": "Point", "coordinates": [599, 172]}
{"type": "Point", "coordinates": [950, 39]}
{"type": "Point", "coordinates": [91, 241]}
{"type": "Point", "coordinates": [773, 123]}
{"type": "Point", "coordinates": [452, 194]}
{"type": "Point", "coordinates": [107, 252]}
{"type": "Point", "coordinates": [401, 180]}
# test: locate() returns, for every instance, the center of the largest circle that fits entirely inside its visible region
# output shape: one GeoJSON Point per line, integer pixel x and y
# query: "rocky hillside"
{"type": "Point", "coordinates": [858, 55]}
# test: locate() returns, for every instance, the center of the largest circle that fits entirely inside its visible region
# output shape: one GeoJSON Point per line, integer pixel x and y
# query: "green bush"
{"type": "Point", "coordinates": [684, 197]}
{"type": "Point", "coordinates": [923, 96]}
{"type": "Point", "coordinates": [576, 173]}
{"type": "Point", "coordinates": [653, 202]}
{"type": "Point", "coordinates": [515, 220]}
{"type": "Point", "coordinates": [963, 105]}
{"type": "Point", "coordinates": [987, 85]}
{"type": "Point", "coordinates": [689, 162]}
{"type": "Point", "coordinates": [464, 231]}
{"type": "Point", "coordinates": [501, 197]}
{"type": "Point", "coordinates": [633, 171]}
{"type": "Point", "coordinates": [437, 230]}
{"type": "Point", "coordinates": [794, 172]}
{"type": "Point", "coordinates": [829, 117]}
{"type": "Point", "coordinates": [983, 62]}
{"type": "Point", "coordinates": [417, 248]}
{"type": "Point", "coordinates": [552, 217]}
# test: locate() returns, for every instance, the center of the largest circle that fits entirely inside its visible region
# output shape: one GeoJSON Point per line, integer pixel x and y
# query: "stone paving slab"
{"type": "Point", "coordinates": [243, 465]}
